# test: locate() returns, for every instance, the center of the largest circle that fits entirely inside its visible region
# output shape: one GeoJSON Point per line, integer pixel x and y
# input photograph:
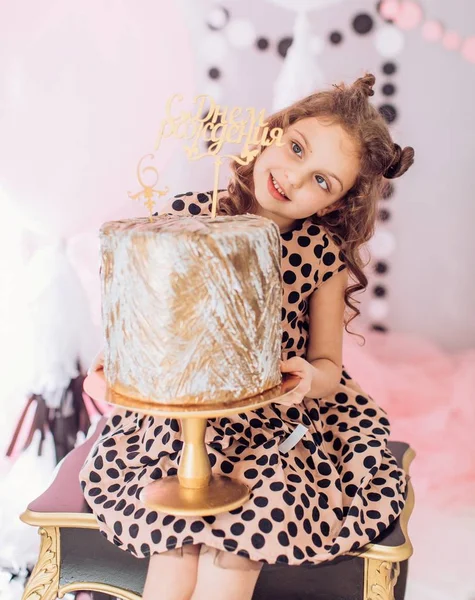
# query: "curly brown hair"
{"type": "Point", "coordinates": [351, 221]}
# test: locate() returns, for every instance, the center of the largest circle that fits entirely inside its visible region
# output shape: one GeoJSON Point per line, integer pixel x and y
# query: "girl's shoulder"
{"type": "Point", "coordinates": [189, 204]}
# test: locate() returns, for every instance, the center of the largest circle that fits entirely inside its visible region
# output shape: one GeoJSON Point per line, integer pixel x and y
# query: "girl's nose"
{"type": "Point", "coordinates": [294, 178]}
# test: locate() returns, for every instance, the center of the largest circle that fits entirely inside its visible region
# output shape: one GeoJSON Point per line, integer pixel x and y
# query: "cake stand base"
{"type": "Point", "coordinates": [168, 495]}
{"type": "Point", "coordinates": [194, 491]}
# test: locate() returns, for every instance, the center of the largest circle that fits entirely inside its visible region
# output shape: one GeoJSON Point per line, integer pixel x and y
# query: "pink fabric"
{"type": "Point", "coordinates": [430, 398]}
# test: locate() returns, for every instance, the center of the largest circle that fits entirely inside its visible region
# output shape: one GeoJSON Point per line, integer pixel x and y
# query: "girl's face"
{"type": "Point", "coordinates": [317, 165]}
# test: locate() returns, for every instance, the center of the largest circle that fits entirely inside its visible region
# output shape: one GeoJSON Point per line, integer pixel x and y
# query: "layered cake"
{"type": "Point", "coordinates": [191, 308]}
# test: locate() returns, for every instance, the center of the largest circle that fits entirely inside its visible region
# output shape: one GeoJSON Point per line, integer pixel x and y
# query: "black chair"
{"type": "Point", "coordinates": [74, 556]}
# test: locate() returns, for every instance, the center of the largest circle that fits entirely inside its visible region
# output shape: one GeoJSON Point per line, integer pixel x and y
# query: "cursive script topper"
{"type": "Point", "coordinates": [213, 125]}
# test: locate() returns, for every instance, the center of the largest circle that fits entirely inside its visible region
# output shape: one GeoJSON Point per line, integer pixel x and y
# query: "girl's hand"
{"type": "Point", "coordinates": [94, 385]}
{"type": "Point", "coordinates": [298, 367]}
{"type": "Point", "coordinates": [97, 362]}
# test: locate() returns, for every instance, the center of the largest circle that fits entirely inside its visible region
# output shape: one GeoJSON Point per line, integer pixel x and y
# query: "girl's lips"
{"type": "Point", "coordinates": [273, 192]}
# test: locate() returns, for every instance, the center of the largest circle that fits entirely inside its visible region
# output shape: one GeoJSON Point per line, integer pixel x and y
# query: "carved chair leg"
{"type": "Point", "coordinates": [380, 579]}
{"type": "Point", "coordinates": [44, 580]}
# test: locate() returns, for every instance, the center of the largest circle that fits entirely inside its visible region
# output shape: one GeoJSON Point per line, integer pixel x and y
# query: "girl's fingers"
{"type": "Point", "coordinates": [97, 363]}
{"type": "Point", "coordinates": [95, 386]}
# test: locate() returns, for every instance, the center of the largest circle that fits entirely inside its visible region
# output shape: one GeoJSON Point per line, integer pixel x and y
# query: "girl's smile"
{"type": "Point", "coordinates": [276, 190]}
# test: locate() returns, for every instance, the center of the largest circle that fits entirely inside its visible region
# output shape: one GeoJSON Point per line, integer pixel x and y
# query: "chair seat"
{"type": "Point", "coordinates": [86, 557]}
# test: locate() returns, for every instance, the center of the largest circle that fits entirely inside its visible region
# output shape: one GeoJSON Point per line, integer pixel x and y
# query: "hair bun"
{"type": "Point", "coordinates": [401, 162]}
{"type": "Point", "coordinates": [365, 84]}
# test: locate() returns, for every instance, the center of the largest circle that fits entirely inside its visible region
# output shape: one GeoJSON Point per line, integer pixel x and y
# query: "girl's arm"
{"type": "Point", "coordinates": [324, 351]}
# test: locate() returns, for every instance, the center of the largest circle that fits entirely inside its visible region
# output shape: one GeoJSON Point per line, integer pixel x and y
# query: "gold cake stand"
{"type": "Point", "coordinates": [194, 491]}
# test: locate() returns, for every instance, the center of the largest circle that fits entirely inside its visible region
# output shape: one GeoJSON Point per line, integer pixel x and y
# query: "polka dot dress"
{"type": "Point", "coordinates": [335, 491]}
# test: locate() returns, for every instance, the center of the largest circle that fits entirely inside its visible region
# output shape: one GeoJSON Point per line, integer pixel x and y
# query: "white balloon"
{"type": "Point", "coordinates": [215, 90]}
{"type": "Point", "coordinates": [382, 244]}
{"type": "Point", "coordinates": [389, 41]}
{"type": "Point", "coordinates": [241, 33]}
{"type": "Point", "coordinates": [218, 17]}
{"type": "Point", "coordinates": [317, 45]}
{"type": "Point", "coordinates": [378, 309]}
{"type": "Point", "coordinates": [304, 5]}
{"type": "Point", "coordinates": [214, 48]}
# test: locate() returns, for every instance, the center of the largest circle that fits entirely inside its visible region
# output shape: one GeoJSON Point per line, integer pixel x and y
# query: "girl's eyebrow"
{"type": "Point", "coordinates": [310, 148]}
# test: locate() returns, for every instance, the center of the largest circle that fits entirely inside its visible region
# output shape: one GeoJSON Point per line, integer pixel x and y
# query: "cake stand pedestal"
{"type": "Point", "coordinates": [194, 491]}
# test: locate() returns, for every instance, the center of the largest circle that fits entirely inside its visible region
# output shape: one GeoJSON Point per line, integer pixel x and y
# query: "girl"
{"type": "Point", "coordinates": [337, 487]}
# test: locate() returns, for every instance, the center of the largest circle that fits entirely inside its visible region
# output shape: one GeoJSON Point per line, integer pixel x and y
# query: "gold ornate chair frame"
{"type": "Point", "coordinates": [74, 556]}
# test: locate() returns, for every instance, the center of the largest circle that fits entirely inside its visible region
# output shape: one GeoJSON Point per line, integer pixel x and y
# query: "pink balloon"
{"type": "Point", "coordinates": [432, 31]}
{"type": "Point", "coordinates": [451, 40]}
{"type": "Point", "coordinates": [389, 9]}
{"type": "Point", "coordinates": [468, 49]}
{"type": "Point", "coordinates": [409, 15]}
{"type": "Point", "coordinates": [83, 92]}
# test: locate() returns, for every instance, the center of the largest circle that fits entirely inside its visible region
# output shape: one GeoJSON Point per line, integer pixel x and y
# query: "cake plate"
{"type": "Point", "coordinates": [194, 491]}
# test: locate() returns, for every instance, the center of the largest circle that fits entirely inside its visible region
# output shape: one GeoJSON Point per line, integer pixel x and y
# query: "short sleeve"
{"type": "Point", "coordinates": [333, 258]}
{"type": "Point", "coordinates": [188, 204]}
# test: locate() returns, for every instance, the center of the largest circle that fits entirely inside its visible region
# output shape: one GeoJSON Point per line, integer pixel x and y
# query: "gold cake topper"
{"type": "Point", "coordinates": [214, 125]}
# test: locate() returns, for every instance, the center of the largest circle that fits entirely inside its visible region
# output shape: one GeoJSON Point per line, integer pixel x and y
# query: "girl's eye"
{"type": "Point", "coordinates": [321, 179]}
{"type": "Point", "coordinates": [296, 148]}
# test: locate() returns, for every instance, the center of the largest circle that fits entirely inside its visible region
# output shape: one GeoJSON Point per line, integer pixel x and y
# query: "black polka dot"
{"type": "Point", "coordinates": [227, 467]}
{"type": "Point", "coordinates": [388, 112]}
{"type": "Point", "coordinates": [328, 258]}
{"type": "Point", "coordinates": [303, 241]}
{"type": "Point", "coordinates": [292, 529]}
{"type": "Point", "coordinates": [389, 68]}
{"type": "Point", "coordinates": [388, 190]}
{"type": "Point", "coordinates": [171, 542]}
{"type": "Point", "coordinates": [250, 473]}
{"type": "Point", "coordinates": [381, 268]}
{"type": "Point", "coordinates": [336, 37]}
{"type": "Point", "coordinates": [284, 45]}
{"type": "Point", "coordinates": [294, 297]}
{"type": "Point", "coordinates": [324, 468]}
{"type": "Point", "coordinates": [277, 515]}
{"type": "Point", "coordinates": [194, 209]}
{"type": "Point", "coordinates": [178, 205]}
{"type": "Point", "coordinates": [237, 528]}
{"type": "Point", "coordinates": [283, 538]}
{"type": "Point", "coordinates": [369, 462]}
{"type": "Point", "coordinates": [288, 498]}
{"type": "Point", "coordinates": [295, 260]}
{"type": "Point", "coordinates": [363, 23]}
{"type": "Point", "coordinates": [265, 525]}
{"type": "Point", "coordinates": [134, 530]}
{"type": "Point", "coordinates": [262, 43]}
{"type": "Point", "coordinates": [289, 277]}
{"type": "Point", "coordinates": [214, 73]}
{"type": "Point", "coordinates": [218, 533]}
{"type": "Point", "coordinates": [258, 541]}
{"type": "Point", "coordinates": [118, 527]}
{"type": "Point", "coordinates": [388, 89]}
{"type": "Point", "coordinates": [248, 515]}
